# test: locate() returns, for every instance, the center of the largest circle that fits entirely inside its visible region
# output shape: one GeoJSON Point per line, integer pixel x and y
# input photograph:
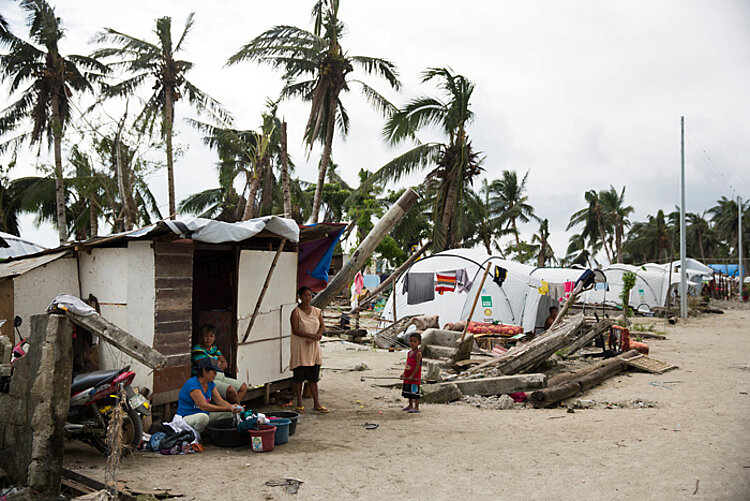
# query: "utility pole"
{"type": "Point", "coordinates": [683, 243]}
{"type": "Point", "coordinates": [739, 247]}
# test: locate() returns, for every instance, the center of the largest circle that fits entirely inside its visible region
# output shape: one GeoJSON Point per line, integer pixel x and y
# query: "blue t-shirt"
{"type": "Point", "coordinates": [185, 403]}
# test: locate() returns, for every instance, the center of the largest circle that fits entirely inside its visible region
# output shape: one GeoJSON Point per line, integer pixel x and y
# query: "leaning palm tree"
{"type": "Point", "coordinates": [53, 79]}
{"type": "Point", "coordinates": [455, 163]}
{"type": "Point", "coordinates": [156, 64]}
{"type": "Point", "coordinates": [595, 228]}
{"type": "Point", "coordinates": [546, 253]}
{"type": "Point", "coordinates": [316, 68]}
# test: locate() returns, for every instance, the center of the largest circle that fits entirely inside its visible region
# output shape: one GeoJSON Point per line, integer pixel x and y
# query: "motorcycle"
{"type": "Point", "coordinates": [93, 397]}
{"type": "Point", "coordinates": [92, 402]}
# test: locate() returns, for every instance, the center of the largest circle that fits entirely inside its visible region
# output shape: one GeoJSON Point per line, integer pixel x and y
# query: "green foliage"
{"type": "Point", "coordinates": [628, 282]}
{"type": "Point", "coordinates": [391, 251]}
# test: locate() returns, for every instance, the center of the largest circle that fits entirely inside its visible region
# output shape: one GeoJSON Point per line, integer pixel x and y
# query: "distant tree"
{"type": "Point", "coordinates": [316, 68]}
{"type": "Point", "coordinates": [546, 254]}
{"type": "Point", "coordinates": [512, 202]}
{"type": "Point", "coordinates": [615, 215]}
{"type": "Point", "coordinates": [650, 241]}
{"type": "Point", "coordinates": [156, 64]}
{"type": "Point", "coordinates": [53, 80]}
{"type": "Point", "coordinates": [595, 223]}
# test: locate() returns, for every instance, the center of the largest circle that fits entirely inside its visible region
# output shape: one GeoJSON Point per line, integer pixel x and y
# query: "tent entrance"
{"type": "Point", "coordinates": [214, 282]}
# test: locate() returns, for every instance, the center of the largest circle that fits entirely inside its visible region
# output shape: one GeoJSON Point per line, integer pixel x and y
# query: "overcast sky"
{"type": "Point", "coordinates": [581, 94]}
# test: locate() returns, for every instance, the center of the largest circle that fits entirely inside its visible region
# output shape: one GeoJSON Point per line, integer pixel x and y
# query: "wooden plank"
{"type": "Point", "coordinates": [118, 338]}
{"type": "Point", "coordinates": [92, 484]}
{"type": "Point", "coordinates": [184, 246]}
{"type": "Point", "coordinates": [173, 316]}
{"type": "Point", "coordinates": [174, 283]}
{"type": "Point", "coordinates": [178, 360]}
{"type": "Point", "coordinates": [172, 327]}
{"type": "Point", "coordinates": [177, 266]}
{"type": "Point", "coordinates": [170, 378]}
{"type": "Point", "coordinates": [173, 349]}
{"type": "Point", "coordinates": [6, 309]}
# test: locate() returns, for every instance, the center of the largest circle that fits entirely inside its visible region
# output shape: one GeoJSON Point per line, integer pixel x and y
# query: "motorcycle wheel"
{"type": "Point", "coordinates": [132, 431]}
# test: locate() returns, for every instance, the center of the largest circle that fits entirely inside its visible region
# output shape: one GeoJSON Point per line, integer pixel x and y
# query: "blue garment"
{"type": "Point", "coordinates": [185, 403]}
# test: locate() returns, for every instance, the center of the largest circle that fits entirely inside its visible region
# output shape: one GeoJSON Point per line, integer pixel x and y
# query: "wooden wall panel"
{"type": "Point", "coordinates": [6, 309]}
{"type": "Point", "coordinates": [173, 312]}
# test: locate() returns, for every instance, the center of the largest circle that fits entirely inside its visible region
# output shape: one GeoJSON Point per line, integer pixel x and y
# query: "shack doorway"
{"type": "Point", "coordinates": [214, 293]}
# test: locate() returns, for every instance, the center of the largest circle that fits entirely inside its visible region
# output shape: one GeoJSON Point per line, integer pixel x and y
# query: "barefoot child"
{"type": "Point", "coordinates": [412, 375]}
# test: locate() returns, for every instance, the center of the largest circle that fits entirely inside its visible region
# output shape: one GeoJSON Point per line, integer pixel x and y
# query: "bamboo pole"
{"type": "Point", "coordinates": [265, 288]}
{"type": "Point", "coordinates": [476, 298]}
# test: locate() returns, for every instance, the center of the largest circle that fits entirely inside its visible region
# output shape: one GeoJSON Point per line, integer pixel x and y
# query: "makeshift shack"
{"type": "Point", "coordinates": [162, 282]}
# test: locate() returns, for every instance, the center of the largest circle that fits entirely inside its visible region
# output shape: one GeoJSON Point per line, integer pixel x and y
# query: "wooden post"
{"type": "Point", "coordinates": [265, 288]}
{"type": "Point", "coordinates": [476, 298]}
{"type": "Point", "coordinates": [365, 249]}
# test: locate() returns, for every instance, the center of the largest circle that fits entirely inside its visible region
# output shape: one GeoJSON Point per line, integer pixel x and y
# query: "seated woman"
{"type": "Point", "coordinates": [199, 402]}
{"type": "Point", "coordinates": [230, 389]}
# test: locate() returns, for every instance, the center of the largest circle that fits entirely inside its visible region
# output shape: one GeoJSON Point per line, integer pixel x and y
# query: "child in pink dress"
{"type": "Point", "coordinates": [412, 375]}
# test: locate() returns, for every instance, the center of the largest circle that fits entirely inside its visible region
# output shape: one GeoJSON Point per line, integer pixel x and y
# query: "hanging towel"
{"type": "Point", "coordinates": [499, 275]}
{"type": "Point", "coordinates": [544, 288]}
{"type": "Point", "coordinates": [556, 291]}
{"type": "Point", "coordinates": [446, 281]}
{"type": "Point", "coordinates": [463, 283]}
{"type": "Point", "coordinates": [569, 286]}
{"type": "Point", "coordinates": [419, 287]}
{"type": "Point", "coordinates": [359, 283]}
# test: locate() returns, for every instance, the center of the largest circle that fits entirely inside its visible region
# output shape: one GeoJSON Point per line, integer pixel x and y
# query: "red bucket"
{"type": "Point", "coordinates": [262, 440]}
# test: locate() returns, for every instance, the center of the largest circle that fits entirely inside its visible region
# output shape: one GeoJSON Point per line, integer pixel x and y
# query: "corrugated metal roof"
{"type": "Point", "coordinates": [23, 265]}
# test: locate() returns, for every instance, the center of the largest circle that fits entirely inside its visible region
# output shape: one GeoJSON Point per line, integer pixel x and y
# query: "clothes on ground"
{"type": "Point", "coordinates": [463, 283]}
{"type": "Point", "coordinates": [304, 373]}
{"type": "Point", "coordinates": [185, 403]}
{"type": "Point", "coordinates": [446, 281]}
{"type": "Point", "coordinates": [411, 391]}
{"type": "Point", "coordinates": [411, 364]}
{"type": "Point", "coordinates": [178, 424]}
{"type": "Point", "coordinates": [198, 352]}
{"type": "Point", "coordinates": [201, 420]}
{"type": "Point", "coordinates": [303, 352]}
{"type": "Point", "coordinates": [419, 287]}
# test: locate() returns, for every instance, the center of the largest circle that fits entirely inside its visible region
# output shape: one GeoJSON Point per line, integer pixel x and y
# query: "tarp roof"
{"type": "Point", "coordinates": [21, 266]}
{"type": "Point", "coordinates": [12, 246]}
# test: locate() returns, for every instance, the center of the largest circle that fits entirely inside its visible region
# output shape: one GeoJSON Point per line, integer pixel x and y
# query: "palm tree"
{"type": "Point", "coordinates": [650, 240]}
{"type": "Point", "coordinates": [485, 212]}
{"type": "Point", "coordinates": [616, 215]}
{"type": "Point", "coordinates": [456, 164]}
{"type": "Point", "coordinates": [545, 250]}
{"type": "Point", "coordinates": [594, 221]}
{"type": "Point", "coordinates": [316, 68]}
{"type": "Point", "coordinates": [701, 237]}
{"type": "Point", "coordinates": [145, 61]}
{"type": "Point", "coordinates": [725, 219]}
{"type": "Point", "coordinates": [53, 80]}
{"type": "Point", "coordinates": [513, 202]}
{"type": "Point", "coordinates": [578, 252]}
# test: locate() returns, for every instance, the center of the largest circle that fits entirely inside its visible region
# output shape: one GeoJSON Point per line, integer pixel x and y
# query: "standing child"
{"type": "Point", "coordinates": [412, 375]}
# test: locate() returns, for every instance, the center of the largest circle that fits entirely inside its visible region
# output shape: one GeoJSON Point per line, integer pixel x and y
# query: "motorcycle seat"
{"type": "Point", "coordinates": [84, 381]}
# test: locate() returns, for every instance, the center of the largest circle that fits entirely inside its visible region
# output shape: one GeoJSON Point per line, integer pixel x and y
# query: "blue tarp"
{"type": "Point", "coordinates": [727, 269]}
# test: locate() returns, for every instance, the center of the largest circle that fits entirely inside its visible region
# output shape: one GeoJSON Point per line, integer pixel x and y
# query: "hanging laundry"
{"type": "Point", "coordinates": [535, 282]}
{"type": "Point", "coordinates": [601, 286]}
{"type": "Point", "coordinates": [556, 291]}
{"type": "Point", "coordinates": [446, 281]}
{"type": "Point", "coordinates": [359, 283]}
{"type": "Point", "coordinates": [463, 283]}
{"type": "Point", "coordinates": [569, 286]}
{"type": "Point", "coordinates": [499, 275]}
{"type": "Point", "coordinates": [544, 288]}
{"type": "Point", "coordinates": [419, 287]}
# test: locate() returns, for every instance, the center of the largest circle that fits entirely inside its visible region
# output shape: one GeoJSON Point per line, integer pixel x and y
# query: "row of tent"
{"type": "Point", "coordinates": [519, 299]}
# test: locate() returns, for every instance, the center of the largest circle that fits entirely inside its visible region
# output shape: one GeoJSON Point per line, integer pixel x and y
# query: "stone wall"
{"type": "Point", "coordinates": [32, 414]}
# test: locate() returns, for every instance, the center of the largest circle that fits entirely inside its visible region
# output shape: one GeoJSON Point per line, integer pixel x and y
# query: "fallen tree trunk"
{"type": "Point", "coordinates": [564, 377]}
{"type": "Point", "coordinates": [537, 350]}
{"type": "Point", "coordinates": [581, 380]}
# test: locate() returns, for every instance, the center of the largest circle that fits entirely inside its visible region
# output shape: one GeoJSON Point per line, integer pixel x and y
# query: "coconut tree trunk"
{"type": "Point", "coordinates": [168, 123]}
{"type": "Point", "coordinates": [62, 226]}
{"type": "Point", "coordinates": [604, 240]}
{"type": "Point", "coordinates": [250, 204]}
{"type": "Point", "coordinates": [448, 210]}
{"type": "Point", "coordinates": [93, 217]}
{"type": "Point", "coordinates": [326, 158]}
{"type": "Point", "coordinates": [285, 173]}
{"type": "Point", "coordinates": [515, 233]}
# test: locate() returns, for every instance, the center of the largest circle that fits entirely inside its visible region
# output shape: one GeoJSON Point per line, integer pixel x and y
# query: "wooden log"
{"type": "Point", "coordinates": [537, 350]}
{"type": "Point", "coordinates": [366, 248]}
{"type": "Point", "coordinates": [550, 396]}
{"type": "Point", "coordinates": [564, 377]}
{"type": "Point", "coordinates": [582, 380]}
{"type": "Point", "coordinates": [118, 338]}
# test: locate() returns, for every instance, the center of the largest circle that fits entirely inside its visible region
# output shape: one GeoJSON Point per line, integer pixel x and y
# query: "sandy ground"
{"type": "Point", "coordinates": [694, 444]}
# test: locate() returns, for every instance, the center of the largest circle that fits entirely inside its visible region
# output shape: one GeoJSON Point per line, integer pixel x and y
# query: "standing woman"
{"type": "Point", "coordinates": [307, 330]}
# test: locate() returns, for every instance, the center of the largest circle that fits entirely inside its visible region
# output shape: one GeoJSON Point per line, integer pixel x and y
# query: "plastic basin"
{"type": "Point", "coordinates": [293, 416]}
{"type": "Point", "coordinates": [224, 434]}
{"type": "Point", "coordinates": [282, 430]}
{"type": "Point", "coordinates": [262, 440]}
